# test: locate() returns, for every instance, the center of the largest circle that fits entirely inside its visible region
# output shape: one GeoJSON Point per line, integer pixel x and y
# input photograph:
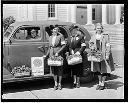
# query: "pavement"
{"type": "Point", "coordinates": [43, 89]}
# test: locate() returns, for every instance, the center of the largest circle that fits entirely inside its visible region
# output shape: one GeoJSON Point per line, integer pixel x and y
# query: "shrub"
{"type": "Point", "coordinates": [7, 21]}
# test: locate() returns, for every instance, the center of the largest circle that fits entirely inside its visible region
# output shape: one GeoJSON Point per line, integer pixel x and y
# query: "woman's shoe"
{"type": "Point", "coordinates": [74, 85]}
{"type": "Point", "coordinates": [98, 87]}
{"type": "Point", "coordinates": [59, 87]}
{"type": "Point", "coordinates": [78, 85]}
{"type": "Point", "coordinates": [102, 88]}
{"type": "Point", "coordinates": [55, 87]}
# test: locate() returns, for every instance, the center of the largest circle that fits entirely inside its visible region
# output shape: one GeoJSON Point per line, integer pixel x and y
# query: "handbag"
{"type": "Point", "coordinates": [95, 56]}
{"type": "Point", "coordinates": [55, 61]}
{"type": "Point", "coordinates": [74, 59]}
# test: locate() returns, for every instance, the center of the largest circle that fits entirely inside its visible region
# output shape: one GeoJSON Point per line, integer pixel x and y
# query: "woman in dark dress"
{"type": "Point", "coordinates": [100, 43]}
{"type": "Point", "coordinates": [76, 45]}
{"type": "Point", "coordinates": [56, 47]}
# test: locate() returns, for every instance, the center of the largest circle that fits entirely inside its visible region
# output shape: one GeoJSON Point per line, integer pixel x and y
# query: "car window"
{"type": "Point", "coordinates": [28, 33]}
{"type": "Point", "coordinates": [46, 37]}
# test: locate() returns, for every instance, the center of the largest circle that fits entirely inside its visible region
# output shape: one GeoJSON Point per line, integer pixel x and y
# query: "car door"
{"type": "Point", "coordinates": [23, 48]}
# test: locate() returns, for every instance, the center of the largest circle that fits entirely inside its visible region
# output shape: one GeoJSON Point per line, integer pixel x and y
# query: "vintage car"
{"type": "Point", "coordinates": [18, 49]}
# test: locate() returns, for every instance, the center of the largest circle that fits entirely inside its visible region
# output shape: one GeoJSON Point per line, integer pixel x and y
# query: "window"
{"type": "Point", "coordinates": [93, 13]}
{"type": "Point", "coordinates": [51, 11]}
{"type": "Point", "coordinates": [27, 33]}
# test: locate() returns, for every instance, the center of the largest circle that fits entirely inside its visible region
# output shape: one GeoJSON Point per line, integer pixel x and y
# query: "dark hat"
{"type": "Point", "coordinates": [51, 26]}
{"type": "Point", "coordinates": [73, 26]}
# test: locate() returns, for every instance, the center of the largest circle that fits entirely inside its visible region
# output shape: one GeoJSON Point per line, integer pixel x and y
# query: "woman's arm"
{"type": "Point", "coordinates": [63, 44]}
{"type": "Point", "coordinates": [108, 48]}
{"type": "Point", "coordinates": [83, 45]}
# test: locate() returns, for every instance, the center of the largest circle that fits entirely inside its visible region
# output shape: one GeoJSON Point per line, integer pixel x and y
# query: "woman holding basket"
{"type": "Point", "coordinates": [76, 46]}
{"type": "Point", "coordinates": [100, 55]}
{"type": "Point", "coordinates": [56, 47]}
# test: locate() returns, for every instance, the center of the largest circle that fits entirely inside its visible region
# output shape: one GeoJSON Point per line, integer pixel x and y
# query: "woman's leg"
{"type": "Point", "coordinates": [59, 85]}
{"type": "Point", "coordinates": [60, 73]}
{"type": "Point", "coordinates": [100, 79]}
{"type": "Point", "coordinates": [103, 80]}
{"type": "Point", "coordinates": [74, 78]}
{"type": "Point", "coordinates": [55, 79]}
{"type": "Point", "coordinates": [78, 82]}
{"type": "Point", "coordinates": [60, 78]}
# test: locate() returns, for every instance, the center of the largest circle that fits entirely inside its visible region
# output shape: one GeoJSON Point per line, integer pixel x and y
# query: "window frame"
{"type": "Point", "coordinates": [93, 14]}
{"type": "Point", "coordinates": [27, 40]}
{"type": "Point", "coordinates": [52, 18]}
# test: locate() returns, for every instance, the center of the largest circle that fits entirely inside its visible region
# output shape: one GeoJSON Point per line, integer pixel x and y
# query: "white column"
{"type": "Point", "coordinates": [30, 12]}
{"type": "Point", "coordinates": [118, 13]}
{"type": "Point", "coordinates": [89, 14]}
{"type": "Point", "coordinates": [73, 13]}
{"type": "Point", "coordinates": [104, 14]}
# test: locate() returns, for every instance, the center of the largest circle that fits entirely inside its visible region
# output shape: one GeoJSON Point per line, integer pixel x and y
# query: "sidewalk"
{"type": "Point", "coordinates": [115, 90]}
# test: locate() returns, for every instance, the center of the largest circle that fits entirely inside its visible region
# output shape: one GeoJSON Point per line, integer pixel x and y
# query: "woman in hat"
{"type": "Point", "coordinates": [100, 43]}
{"type": "Point", "coordinates": [76, 45]}
{"type": "Point", "coordinates": [34, 34]}
{"type": "Point", "coordinates": [56, 47]}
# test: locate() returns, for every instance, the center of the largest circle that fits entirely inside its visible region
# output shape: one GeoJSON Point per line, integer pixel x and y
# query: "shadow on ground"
{"type": "Point", "coordinates": [111, 83]}
{"type": "Point", "coordinates": [114, 85]}
{"type": "Point", "coordinates": [112, 77]}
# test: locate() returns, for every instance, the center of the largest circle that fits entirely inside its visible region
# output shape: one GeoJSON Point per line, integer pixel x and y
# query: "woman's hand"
{"type": "Point", "coordinates": [56, 54]}
{"type": "Point", "coordinates": [44, 56]}
{"type": "Point", "coordinates": [78, 53]}
{"type": "Point", "coordinates": [72, 52]}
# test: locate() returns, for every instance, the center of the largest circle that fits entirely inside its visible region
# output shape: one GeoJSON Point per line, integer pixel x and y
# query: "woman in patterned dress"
{"type": "Point", "coordinates": [100, 43]}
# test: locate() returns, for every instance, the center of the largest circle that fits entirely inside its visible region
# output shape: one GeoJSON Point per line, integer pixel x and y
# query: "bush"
{"type": "Point", "coordinates": [7, 21]}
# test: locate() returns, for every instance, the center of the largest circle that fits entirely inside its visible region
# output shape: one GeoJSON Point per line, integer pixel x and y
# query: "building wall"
{"type": "Point", "coordinates": [10, 10]}
{"type": "Point", "coordinates": [41, 12]}
{"type": "Point", "coordinates": [62, 12]}
{"type": "Point", "coordinates": [65, 12]}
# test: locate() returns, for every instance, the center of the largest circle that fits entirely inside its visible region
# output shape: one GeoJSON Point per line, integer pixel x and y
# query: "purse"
{"type": "Point", "coordinates": [55, 61]}
{"type": "Point", "coordinates": [74, 59]}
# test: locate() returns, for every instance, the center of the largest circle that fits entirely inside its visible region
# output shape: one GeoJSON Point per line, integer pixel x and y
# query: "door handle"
{"type": "Point", "coordinates": [41, 48]}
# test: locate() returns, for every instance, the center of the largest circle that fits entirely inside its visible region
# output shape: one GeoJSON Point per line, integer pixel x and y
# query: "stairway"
{"type": "Point", "coordinates": [116, 33]}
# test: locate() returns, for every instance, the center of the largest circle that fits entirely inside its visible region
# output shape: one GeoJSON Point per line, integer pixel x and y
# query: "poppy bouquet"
{"type": "Point", "coordinates": [21, 71]}
{"type": "Point", "coordinates": [74, 59]}
{"type": "Point", "coordinates": [95, 56]}
{"type": "Point", "coordinates": [55, 61]}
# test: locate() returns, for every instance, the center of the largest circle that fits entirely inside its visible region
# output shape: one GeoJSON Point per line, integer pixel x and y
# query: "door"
{"type": "Point", "coordinates": [81, 15]}
{"type": "Point", "coordinates": [26, 43]}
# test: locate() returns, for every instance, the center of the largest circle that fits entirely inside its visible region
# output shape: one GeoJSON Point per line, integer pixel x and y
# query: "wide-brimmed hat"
{"type": "Point", "coordinates": [54, 26]}
{"type": "Point", "coordinates": [33, 30]}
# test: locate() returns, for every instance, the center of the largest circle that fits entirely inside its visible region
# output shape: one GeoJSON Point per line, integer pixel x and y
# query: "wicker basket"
{"type": "Point", "coordinates": [96, 57]}
{"type": "Point", "coordinates": [74, 59]}
{"type": "Point", "coordinates": [55, 61]}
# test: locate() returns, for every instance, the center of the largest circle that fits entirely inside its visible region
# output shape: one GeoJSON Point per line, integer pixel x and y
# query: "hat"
{"type": "Point", "coordinates": [51, 26]}
{"type": "Point", "coordinates": [98, 24]}
{"type": "Point", "coordinates": [33, 30]}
